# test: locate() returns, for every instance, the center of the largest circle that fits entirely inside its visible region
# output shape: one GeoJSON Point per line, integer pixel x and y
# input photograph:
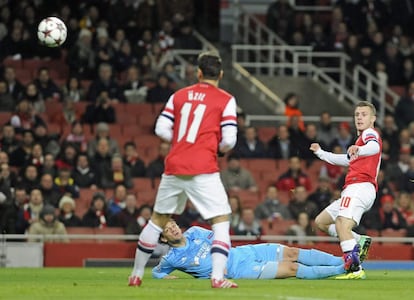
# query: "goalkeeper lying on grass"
{"type": "Point", "coordinates": [190, 253]}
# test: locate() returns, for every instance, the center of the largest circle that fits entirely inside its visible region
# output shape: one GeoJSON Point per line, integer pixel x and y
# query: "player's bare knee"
{"type": "Point", "coordinates": [290, 253]}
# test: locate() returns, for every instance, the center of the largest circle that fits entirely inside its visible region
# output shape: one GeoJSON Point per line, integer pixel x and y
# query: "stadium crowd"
{"type": "Point", "coordinates": [76, 121]}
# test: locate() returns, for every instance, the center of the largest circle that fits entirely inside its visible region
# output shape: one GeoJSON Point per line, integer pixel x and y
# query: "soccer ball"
{"type": "Point", "coordinates": [51, 32]}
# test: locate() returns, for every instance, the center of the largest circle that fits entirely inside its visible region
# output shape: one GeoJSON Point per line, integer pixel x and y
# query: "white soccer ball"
{"type": "Point", "coordinates": [52, 32]}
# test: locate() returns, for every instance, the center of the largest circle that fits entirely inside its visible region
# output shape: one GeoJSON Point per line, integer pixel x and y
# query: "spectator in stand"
{"type": "Point", "coordinates": [326, 130]}
{"type": "Point", "coordinates": [280, 18]}
{"type": "Point", "coordinates": [393, 64]}
{"type": "Point", "coordinates": [389, 132]}
{"type": "Point", "coordinates": [145, 212]}
{"type": "Point", "coordinates": [156, 167]}
{"type": "Point", "coordinates": [117, 202]}
{"type": "Point", "coordinates": [100, 111]}
{"type": "Point", "coordinates": [67, 115]}
{"type": "Point", "coordinates": [81, 57]}
{"type": "Point", "coordinates": [405, 206]}
{"type": "Point", "coordinates": [144, 45]}
{"type": "Point", "coordinates": [162, 91]}
{"type": "Point", "coordinates": [51, 194]}
{"type": "Point", "coordinates": [190, 75]}
{"type": "Point", "coordinates": [408, 71]}
{"type": "Point", "coordinates": [7, 177]}
{"type": "Point", "coordinates": [407, 183]}
{"type": "Point", "coordinates": [344, 138]}
{"type": "Point", "coordinates": [293, 177]}
{"type": "Point", "coordinates": [49, 166]}
{"type": "Point", "coordinates": [83, 175]}
{"type": "Point", "coordinates": [7, 217]}
{"type": "Point", "coordinates": [127, 218]}
{"type": "Point", "coordinates": [25, 117]}
{"type": "Point", "coordinates": [10, 210]}
{"type": "Point", "coordinates": [117, 39]}
{"type": "Point", "coordinates": [241, 124]}
{"type": "Point", "coordinates": [46, 86]}
{"type": "Point", "coordinates": [322, 196]}
{"type": "Point", "coordinates": [248, 225]}
{"type": "Point", "coordinates": [236, 209]}
{"type": "Point", "coordinates": [67, 157]}
{"type": "Point", "coordinates": [49, 142]}
{"type": "Point", "coordinates": [35, 98]}
{"type": "Point", "coordinates": [185, 38]}
{"type": "Point", "coordinates": [281, 146]}
{"type": "Point", "coordinates": [73, 90]}
{"type": "Point", "coordinates": [292, 110]}
{"type": "Point", "coordinates": [15, 45]}
{"type": "Point", "coordinates": [387, 217]}
{"type": "Point", "coordinates": [104, 50]}
{"type": "Point", "coordinates": [101, 161]}
{"type": "Point", "coordinates": [67, 212]}
{"type": "Point", "coordinates": [65, 184]}
{"type": "Point", "coordinates": [302, 228]}
{"type": "Point", "coordinates": [133, 161]}
{"type": "Point", "coordinates": [15, 88]}
{"type": "Point", "coordinates": [36, 157]}
{"type": "Point", "coordinates": [8, 141]}
{"type": "Point", "coordinates": [235, 177]}
{"type": "Point", "coordinates": [333, 172]}
{"type": "Point", "coordinates": [173, 75]}
{"type": "Point", "coordinates": [102, 131]}
{"type": "Point", "coordinates": [159, 57]}
{"type": "Point", "coordinates": [98, 214]}
{"type": "Point", "coordinates": [116, 174]}
{"type": "Point", "coordinates": [47, 224]}
{"type": "Point", "coordinates": [29, 212]}
{"type": "Point", "coordinates": [7, 103]}
{"type": "Point", "coordinates": [29, 177]}
{"type": "Point", "coordinates": [22, 153]}
{"type": "Point", "coordinates": [134, 89]}
{"type": "Point", "coordinates": [271, 207]}
{"type": "Point", "coordinates": [105, 82]}
{"type": "Point", "coordinates": [405, 108]}
{"type": "Point", "coordinates": [300, 203]}
{"type": "Point", "coordinates": [395, 170]}
{"type": "Point", "coordinates": [310, 136]}
{"type": "Point", "coordinates": [77, 137]}
{"type": "Point", "coordinates": [250, 146]}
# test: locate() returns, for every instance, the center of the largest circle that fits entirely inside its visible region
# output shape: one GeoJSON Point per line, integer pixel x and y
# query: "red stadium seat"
{"type": "Point", "coordinates": [264, 164]}
{"type": "Point", "coordinates": [276, 226]}
{"type": "Point", "coordinates": [81, 230]}
{"type": "Point", "coordinates": [157, 108]}
{"type": "Point", "coordinates": [265, 134]}
{"type": "Point", "coordinates": [247, 198]}
{"type": "Point", "coordinates": [14, 63]}
{"type": "Point", "coordinates": [4, 117]}
{"type": "Point", "coordinates": [139, 109]}
{"type": "Point", "coordinates": [127, 118]}
{"type": "Point", "coordinates": [142, 184]}
{"type": "Point", "coordinates": [147, 197]}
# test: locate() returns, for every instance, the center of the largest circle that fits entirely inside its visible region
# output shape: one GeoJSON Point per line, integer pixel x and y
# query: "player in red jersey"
{"type": "Point", "coordinates": [359, 192]}
{"type": "Point", "coordinates": [198, 120]}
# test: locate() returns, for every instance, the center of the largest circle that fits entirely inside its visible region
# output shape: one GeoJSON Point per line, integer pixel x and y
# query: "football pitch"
{"type": "Point", "coordinates": [111, 283]}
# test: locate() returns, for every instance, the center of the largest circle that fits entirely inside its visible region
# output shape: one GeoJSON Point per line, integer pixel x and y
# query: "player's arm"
{"type": "Point", "coordinates": [165, 122]}
{"type": "Point", "coordinates": [228, 127]}
{"type": "Point", "coordinates": [371, 145]}
{"type": "Point", "coordinates": [163, 269]}
{"type": "Point", "coordinates": [329, 157]}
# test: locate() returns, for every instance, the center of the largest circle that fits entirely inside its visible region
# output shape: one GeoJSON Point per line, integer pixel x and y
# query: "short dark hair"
{"type": "Point", "coordinates": [210, 64]}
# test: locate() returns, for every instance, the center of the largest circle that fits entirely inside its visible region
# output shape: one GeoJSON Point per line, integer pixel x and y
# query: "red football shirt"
{"type": "Point", "coordinates": [198, 112]}
{"type": "Point", "coordinates": [365, 168]}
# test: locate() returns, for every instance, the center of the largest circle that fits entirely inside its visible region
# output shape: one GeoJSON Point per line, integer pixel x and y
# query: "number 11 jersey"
{"type": "Point", "coordinates": [198, 113]}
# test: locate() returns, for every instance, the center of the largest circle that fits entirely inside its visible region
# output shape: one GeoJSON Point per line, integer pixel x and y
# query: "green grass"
{"type": "Point", "coordinates": [111, 283]}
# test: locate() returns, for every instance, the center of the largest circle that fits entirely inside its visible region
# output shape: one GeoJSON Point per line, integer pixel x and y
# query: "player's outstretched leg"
{"type": "Point", "coordinates": [148, 240]}
{"type": "Point", "coordinates": [364, 243]}
{"type": "Point", "coordinates": [318, 272]}
{"type": "Point", "coordinates": [313, 257]}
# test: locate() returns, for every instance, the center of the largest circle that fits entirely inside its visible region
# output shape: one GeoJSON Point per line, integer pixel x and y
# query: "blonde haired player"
{"type": "Point", "coordinates": [359, 192]}
{"type": "Point", "coordinates": [198, 120]}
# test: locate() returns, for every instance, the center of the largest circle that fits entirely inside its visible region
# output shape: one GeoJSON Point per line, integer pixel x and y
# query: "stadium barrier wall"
{"type": "Point", "coordinates": [75, 254]}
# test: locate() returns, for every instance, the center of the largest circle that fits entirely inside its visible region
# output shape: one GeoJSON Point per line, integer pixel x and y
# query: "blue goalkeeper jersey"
{"type": "Point", "coordinates": [195, 258]}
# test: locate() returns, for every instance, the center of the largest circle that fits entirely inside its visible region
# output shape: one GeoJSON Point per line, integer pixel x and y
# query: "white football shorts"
{"type": "Point", "coordinates": [356, 199]}
{"type": "Point", "coordinates": [205, 191]}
